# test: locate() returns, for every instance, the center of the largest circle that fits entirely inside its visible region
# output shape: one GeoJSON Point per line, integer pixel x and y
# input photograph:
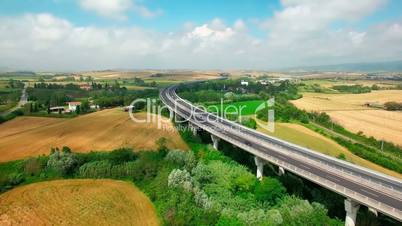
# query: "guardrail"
{"type": "Point", "coordinates": [368, 175]}
{"type": "Point", "coordinates": [395, 213]}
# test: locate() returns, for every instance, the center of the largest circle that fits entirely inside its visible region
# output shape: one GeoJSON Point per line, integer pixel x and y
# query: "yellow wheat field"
{"type": "Point", "coordinates": [77, 202]}
{"type": "Point", "coordinates": [349, 111]}
{"type": "Point", "coordinates": [103, 131]}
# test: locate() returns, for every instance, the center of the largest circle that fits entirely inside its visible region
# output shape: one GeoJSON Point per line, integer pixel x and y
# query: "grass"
{"type": "Point", "coordinates": [243, 107]}
{"type": "Point", "coordinates": [6, 107]}
{"type": "Point", "coordinates": [135, 87]}
{"type": "Point", "coordinates": [103, 130]}
{"type": "Point", "coordinates": [77, 202]}
{"type": "Point", "coordinates": [302, 136]}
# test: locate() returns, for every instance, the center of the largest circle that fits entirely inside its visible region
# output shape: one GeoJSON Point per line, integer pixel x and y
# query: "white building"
{"type": "Point", "coordinates": [244, 83]}
{"type": "Point", "coordinates": [72, 106]}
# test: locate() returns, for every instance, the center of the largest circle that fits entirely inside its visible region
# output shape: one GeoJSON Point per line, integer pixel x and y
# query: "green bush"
{"type": "Point", "coordinates": [181, 158]}
{"type": "Point", "coordinates": [371, 155]}
{"type": "Point", "coordinates": [269, 190]}
{"type": "Point", "coordinates": [34, 166]}
{"type": "Point", "coordinates": [62, 162]}
{"type": "Point", "coordinates": [97, 169]}
{"type": "Point", "coordinates": [15, 178]}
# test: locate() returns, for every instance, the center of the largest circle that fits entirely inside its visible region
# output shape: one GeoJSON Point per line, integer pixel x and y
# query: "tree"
{"type": "Point", "coordinates": [269, 190]}
{"type": "Point", "coordinates": [161, 143]}
{"type": "Point", "coordinates": [78, 109]}
{"type": "Point", "coordinates": [63, 162]}
{"type": "Point", "coordinates": [85, 106]}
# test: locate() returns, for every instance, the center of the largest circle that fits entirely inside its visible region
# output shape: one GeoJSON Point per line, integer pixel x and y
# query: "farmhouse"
{"type": "Point", "coordinates": [72, 106]}
{"type": "Point", "coordinates": [58, 109]}
{"type": "Point", "coordinates": [85, 87]}
{"type": "Point", "coordinates": [244, 83]}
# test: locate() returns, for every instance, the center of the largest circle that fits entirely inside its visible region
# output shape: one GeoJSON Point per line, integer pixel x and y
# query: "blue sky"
{"type": "Point", "coordinates": [174, 13]}
{"type": "Point", "coordinates": [249, 33]}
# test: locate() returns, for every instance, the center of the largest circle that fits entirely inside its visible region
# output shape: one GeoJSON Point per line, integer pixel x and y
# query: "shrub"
{"type": "Point", "coordinates": [97, 169]}
{"type": "Point", "coordinates": [64, 162]}
{"type": "Point", "coordinates": [34, 166]}
{"type": "Point", "coordinates": [202, 173]}
{"type": "Point", "coordinates": [15, 178]}
{"type": "Point", "coordinates": [127, 169]}
{"type": "Point", "coordinates": [180, 178]}
{"type": "Point", "coordinates": [269, 190]}
{"type": "Point", "coordinates": [341, 156]}
{"type": "Point", "coordinates": [181, 158]}
{"type": "Point", "coordinates": [393, 106]}
{"type": "Point", "coordinates": [228, 221]}
{"type": "Point", "coordinates": [295, 211]}
{"type": "Point", "coordinates": [122, 155]}
{"type": "Point", "coordinates": [259, 217]}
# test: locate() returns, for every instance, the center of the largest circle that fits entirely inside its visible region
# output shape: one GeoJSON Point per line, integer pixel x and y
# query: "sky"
{"type": "Point", "coordinates": [68, 35]}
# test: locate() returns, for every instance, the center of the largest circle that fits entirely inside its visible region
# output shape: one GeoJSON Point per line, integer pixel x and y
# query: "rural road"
{"type": "Point", "coordinates": [367, 187]}
{"type": "Point", "coordinates": [23, 100]}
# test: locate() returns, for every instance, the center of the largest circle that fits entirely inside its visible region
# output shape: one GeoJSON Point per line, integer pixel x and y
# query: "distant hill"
{"type": "Point", "coordinates": [390, 66]}
{"type": "Point", "coordinates": [18, 73]}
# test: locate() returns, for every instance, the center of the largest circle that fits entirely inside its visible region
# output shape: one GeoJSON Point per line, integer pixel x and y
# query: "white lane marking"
{"type": "Point", "coordinates": [365, 191]}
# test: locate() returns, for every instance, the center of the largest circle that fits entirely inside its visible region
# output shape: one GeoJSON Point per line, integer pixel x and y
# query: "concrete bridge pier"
{"type": "Point", "coordinates": [260, 167]}
{"type": "Point", "coordinates": [281, 171]}
{"type": "Point", "coordinates": [351, 208]}
{"type": "Point", "coordinates": [171, 114]}
{"type": "Point", "coordinates": [193, 128]}
{"type": "Point", "coordinates": [373, 211]}
{"type": "Point", "coordinates": [215, 141]}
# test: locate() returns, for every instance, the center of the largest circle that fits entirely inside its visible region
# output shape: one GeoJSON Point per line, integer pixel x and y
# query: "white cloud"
{"type": "Point", "coordinates": [46, 42]}
{"type": "Point", "coordinates": [117, 9]}
{"type": "Point", "coordinates": [311, 15]}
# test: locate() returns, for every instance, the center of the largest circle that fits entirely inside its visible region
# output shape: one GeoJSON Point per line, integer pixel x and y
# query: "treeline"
{"type": "Point", "coordinates": [284, 111]}
{"type": "Point", "coordinates": [43, 85]}
{"type": "Point", "coordinates": [371, 154]}
{"type": "Point", "coordinates": [352, 88]}
{"type": "Point", "coordinates": [105, 95]}
{"type": "Point", "coordinates": [50, 97]}
{"type": "Point", "coordinates": [9, 96]}
{"type": "Point", "coordinates": [232, 90]}
{"type": "Point", "coordinates": [109, 98]}
{"type": "Point", "coordinates": [15, 84]}
{"type": "Point", "coordinates": [393, 106]}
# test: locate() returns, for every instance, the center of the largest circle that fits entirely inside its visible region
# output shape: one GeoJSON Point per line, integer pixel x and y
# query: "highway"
{"type": "Point", "coordinates": [369, 188]}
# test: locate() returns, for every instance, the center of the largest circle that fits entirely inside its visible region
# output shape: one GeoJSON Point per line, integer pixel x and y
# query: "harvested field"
{"type": "Point", "coordinates": [305, 137]}
{"type": "Point", "coordinates": [103, 131]}
{"type": "Point", "coordinates": [77, 202]}
{"type": "Point", "coordinates": [349, 111]}
{"type": "Point", "coordinates": [332, 82]}
{"type": "Point", "coordinates": [381, 124]}
{"type": "Point", "coordinates": [339, 102]}
{"type": "Point", "coordinates": [150, 75]}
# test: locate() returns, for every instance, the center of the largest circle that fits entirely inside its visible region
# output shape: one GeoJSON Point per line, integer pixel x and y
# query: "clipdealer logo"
{"type": "Point", "coordinates": [181, 111]}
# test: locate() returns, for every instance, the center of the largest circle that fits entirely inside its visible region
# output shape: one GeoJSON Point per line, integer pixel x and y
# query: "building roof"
{"type": "Point", "coordinates": [74, 103]}
{"type": "Point", "coordinates": [56, 108]}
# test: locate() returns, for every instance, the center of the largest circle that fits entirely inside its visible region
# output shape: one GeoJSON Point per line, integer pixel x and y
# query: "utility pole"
{"type": "Point", "coordinates": [382, 145]}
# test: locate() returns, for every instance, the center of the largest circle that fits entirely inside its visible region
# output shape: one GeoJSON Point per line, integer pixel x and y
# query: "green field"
{"type": "Point", "coordinates": [243, 107]}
